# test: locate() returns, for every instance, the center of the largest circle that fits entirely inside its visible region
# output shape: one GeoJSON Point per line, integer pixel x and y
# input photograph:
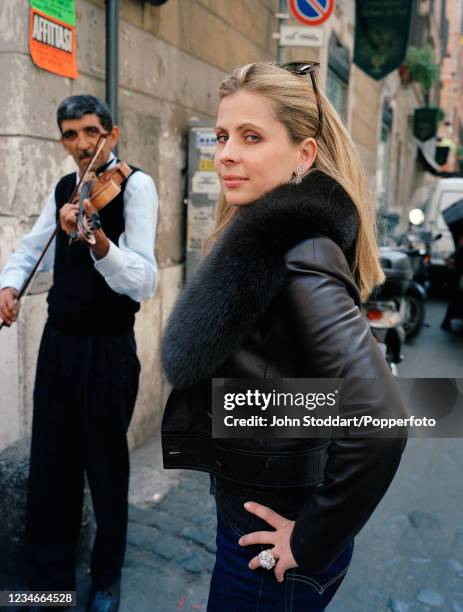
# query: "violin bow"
{"type": "Point", "coordinates": [99, 145]}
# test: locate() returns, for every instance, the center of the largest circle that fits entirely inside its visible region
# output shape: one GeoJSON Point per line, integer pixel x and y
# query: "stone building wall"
{"type": "Point", "coordinates": [451, 94]}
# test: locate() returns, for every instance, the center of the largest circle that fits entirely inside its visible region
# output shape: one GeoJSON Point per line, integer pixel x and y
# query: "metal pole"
{"type": "Point", "coordinates": [112, 56]}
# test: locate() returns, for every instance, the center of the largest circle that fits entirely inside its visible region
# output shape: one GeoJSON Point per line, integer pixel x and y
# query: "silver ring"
{"type": "Point", "coordinates": [266, 559]}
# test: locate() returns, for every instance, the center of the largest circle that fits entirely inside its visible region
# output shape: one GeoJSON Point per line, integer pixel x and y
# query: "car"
{"type": "Point", "coordinates": [444, 192]}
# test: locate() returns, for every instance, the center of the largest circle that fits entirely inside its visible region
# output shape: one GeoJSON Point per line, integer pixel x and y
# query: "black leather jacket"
{"type": "Point", "coordinates": [310, 325]}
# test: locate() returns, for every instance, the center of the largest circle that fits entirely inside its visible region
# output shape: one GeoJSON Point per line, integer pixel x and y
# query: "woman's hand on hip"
{"type": "Point", "coordinates": [279, 539]}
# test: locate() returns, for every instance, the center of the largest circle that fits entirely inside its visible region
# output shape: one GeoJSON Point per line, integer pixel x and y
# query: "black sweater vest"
{"type": "Point", "coordinates": [80, 300]}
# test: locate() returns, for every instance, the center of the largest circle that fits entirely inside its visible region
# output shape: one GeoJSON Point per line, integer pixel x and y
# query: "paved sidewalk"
{"type": "Point", "coordinates": [170, 544]}
{"type": "Point", "coordinates": [171, 541]}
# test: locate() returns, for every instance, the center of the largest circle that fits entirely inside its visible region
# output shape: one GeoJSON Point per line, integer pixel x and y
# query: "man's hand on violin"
{"type": "Point", "coordinates": [68, 221]}
{"type": "Point", "coordinates": [9, 305]}
{"type": "Point", "coordinates": [101, 247]}
{"type": "Point", "coordinates": [68, 218]}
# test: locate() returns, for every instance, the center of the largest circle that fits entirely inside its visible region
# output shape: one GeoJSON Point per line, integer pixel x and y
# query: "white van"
{"type": "Point", "coordinates": [444, 193]}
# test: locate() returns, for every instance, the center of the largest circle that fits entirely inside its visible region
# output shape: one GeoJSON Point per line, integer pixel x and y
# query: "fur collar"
{"type": "Point", "coordinates": [245, 270]}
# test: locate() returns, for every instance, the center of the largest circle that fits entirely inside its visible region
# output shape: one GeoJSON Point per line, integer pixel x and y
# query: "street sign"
{"type": "Point", "coordinates": [300, 36]}
{"type": "Point", "coordinates": [311, 12]}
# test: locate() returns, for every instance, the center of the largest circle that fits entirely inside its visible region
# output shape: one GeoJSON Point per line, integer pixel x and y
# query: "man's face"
{"type": "Point", "coordinates": [79, 138]}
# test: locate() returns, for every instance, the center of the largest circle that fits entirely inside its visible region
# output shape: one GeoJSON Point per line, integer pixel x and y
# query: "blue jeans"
{"type": "Point", "coordinates": [236, 588]}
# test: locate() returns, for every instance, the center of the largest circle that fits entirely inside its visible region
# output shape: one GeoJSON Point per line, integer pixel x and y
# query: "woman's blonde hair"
{"type": "Point", "coordinates": [296, 107]}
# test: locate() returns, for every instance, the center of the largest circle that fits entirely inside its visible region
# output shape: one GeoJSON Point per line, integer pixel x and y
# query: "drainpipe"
{"type": "Point", "coordinates": [112, 57]}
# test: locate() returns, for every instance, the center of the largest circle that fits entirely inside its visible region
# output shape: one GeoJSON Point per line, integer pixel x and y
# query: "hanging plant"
{"type": "Point", "coordinates": [422, 66]}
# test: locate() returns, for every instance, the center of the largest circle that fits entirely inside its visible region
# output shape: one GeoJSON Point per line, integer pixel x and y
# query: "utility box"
{"type": "Point", "coordinates": [203, 191]}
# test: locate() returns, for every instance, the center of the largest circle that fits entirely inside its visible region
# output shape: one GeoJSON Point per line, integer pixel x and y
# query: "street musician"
{"type": "Point", "coordinates": [87, 371]}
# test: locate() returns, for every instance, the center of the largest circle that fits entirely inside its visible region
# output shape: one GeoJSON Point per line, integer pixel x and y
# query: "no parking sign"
{"type": "Point", "coordinates": [311, 12]}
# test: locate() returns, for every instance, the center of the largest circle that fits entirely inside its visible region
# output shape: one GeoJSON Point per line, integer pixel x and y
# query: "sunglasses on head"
{"type": "Point", "coordinates": [301, 69]}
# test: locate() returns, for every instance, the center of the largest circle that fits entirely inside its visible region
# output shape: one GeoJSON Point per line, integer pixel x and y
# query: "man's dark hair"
{"type": "Point", "coordinates": [75, 107]}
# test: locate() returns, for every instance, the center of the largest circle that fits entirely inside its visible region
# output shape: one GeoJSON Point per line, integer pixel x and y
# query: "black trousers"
{"type": "Point", "coordinates": [84, 395]}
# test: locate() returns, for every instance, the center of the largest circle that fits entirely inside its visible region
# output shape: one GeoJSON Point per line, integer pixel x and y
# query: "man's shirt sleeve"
{"type": "Point", "coordinates": [129, 267]}
{"type": "Point", "coordinates": [21, 262]}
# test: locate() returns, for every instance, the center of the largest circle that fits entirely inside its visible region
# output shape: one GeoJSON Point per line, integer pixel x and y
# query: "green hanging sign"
{"type": "Point", "coordinates": [62, 10]}
{"type": "Point", "coordinates": [425, 123]}
{"type": "Point", "coordinates": [381, 35]}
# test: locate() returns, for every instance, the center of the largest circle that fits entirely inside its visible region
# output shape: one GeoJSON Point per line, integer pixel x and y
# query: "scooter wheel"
{"type": "Point", "coordinates": [416, 310]}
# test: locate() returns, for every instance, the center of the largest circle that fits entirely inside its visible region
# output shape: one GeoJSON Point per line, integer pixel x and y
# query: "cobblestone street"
{"type": "Point", "coordinates": [409, 558]}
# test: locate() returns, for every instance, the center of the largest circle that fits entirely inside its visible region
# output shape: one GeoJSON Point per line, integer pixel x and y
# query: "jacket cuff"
{"type": "Point", "coordinates": [313, 550]}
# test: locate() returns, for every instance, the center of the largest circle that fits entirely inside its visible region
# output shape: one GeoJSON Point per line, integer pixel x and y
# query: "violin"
{"type": "Point", "coordinates": [100, 191]}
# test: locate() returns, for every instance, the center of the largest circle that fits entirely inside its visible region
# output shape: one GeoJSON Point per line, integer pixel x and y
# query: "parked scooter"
{"type": "Point", "coordinates": [385, 310]}
{"type": "Point", "coordinates": [417, 245]}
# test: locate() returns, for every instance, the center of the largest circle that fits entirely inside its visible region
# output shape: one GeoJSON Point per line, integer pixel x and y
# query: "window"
{"type": "Point", "coordinates": [336, 90]}
{"type": "Point", "coordinates": [338, 76]}
{"type": "Point", "coordinates": [383, 170]}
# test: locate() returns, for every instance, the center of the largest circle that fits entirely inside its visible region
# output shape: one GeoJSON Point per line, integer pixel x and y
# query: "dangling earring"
{"type": "Point", "coordinates": [296, 180]}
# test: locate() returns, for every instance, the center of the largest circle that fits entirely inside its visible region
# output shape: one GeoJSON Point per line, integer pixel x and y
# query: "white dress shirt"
{"type": "Point", "coordinates": [129, 267]}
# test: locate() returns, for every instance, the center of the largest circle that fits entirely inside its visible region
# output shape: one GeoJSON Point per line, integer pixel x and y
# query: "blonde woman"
{"type": "Point", "coordinates": [278, 296]}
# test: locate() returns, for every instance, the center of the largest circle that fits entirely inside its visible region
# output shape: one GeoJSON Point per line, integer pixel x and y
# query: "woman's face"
{"type": "Point", "coordinates": [254, 152]}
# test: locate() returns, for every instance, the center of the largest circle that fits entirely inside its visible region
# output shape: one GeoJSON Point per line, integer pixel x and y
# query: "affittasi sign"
{"type": "Point", "coordinates": [52, 36]}
{"type": "Point", "coordinates": [381, 35]}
